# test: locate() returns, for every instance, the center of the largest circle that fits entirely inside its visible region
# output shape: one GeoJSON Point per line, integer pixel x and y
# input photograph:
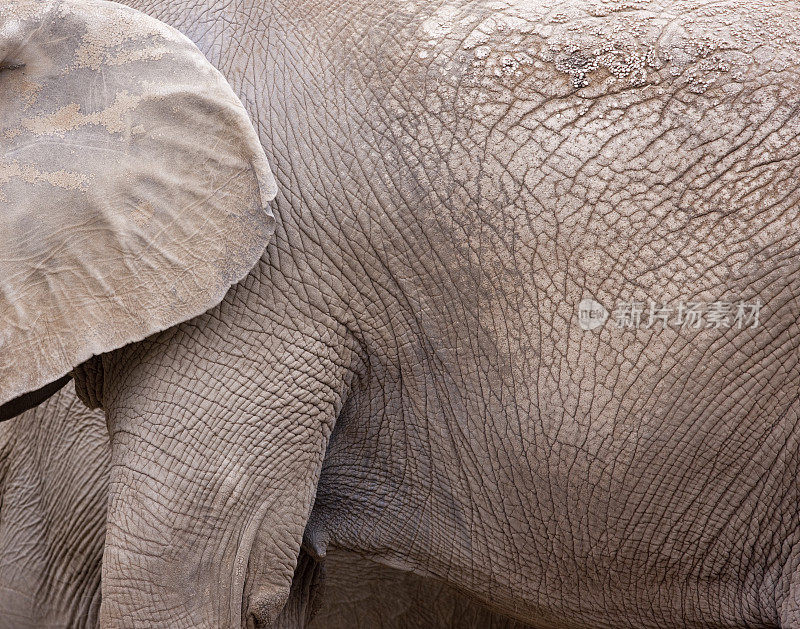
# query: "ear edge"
{"type": "Point", "coordinates": [54, 362]}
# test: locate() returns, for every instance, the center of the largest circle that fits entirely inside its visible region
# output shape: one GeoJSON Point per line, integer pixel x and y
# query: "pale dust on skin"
{"type": "Point", "coordinates": [70, 117]}
{"type": "Point", "coordinates": [22, 11]}
{"type": "Point", "coordinates": [580, 44]}
{"type": "Point", "coordinates": [13, 171]}
{"type": "Point", "coordinates": [99, 44]}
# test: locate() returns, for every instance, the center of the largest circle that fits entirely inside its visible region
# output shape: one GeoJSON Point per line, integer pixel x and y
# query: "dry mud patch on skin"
{"type": "Point", "coordinates": [608, 46]}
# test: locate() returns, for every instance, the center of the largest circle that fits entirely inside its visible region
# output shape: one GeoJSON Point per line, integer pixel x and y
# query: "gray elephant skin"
{"type": "Point", "coordinates": [54, 485]}
{"type": "Point", "coordinates": [409, 371]}
{"type": "Point", "coordinates": [54, 479]}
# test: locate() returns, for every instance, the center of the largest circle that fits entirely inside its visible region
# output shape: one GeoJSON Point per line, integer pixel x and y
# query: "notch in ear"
{"type": "Point", "coordinates": [133, 188]}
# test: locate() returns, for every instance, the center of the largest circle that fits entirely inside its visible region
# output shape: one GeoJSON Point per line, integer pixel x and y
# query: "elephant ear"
{"type": "Point", "coordinates": [133, 187]}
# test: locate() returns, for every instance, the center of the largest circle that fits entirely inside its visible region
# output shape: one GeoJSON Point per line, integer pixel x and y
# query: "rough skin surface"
{"type": "Point", "coordinates": [53, 492]}
{"type": "Point", "coordinates": [402, 375]}
{"type": "Point", "coordinates": [54, 488]}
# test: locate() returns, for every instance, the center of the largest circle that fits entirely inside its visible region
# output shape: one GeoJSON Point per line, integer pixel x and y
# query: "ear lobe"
{"type": "Point", "coordinates": [133, 187]}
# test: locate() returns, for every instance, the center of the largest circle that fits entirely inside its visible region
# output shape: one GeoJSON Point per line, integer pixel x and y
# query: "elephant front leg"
{"type": "Point", "coordinates": [217, 444]}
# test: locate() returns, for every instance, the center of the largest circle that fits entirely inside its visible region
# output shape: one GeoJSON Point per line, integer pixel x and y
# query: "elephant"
{"type": "Point", "coordinates": [498, 294]}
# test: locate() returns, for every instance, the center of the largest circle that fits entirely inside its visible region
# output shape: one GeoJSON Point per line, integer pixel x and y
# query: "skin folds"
{"type": "Point", "coordinates": [403, 376]}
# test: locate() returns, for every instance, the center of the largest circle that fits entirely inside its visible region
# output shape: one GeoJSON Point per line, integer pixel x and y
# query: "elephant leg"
{"type": "Point", "coordinates": [218, 430]}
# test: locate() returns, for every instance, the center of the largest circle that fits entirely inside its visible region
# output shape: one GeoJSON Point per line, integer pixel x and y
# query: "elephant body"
{"type": "Point", "coordinates": [404, 374]}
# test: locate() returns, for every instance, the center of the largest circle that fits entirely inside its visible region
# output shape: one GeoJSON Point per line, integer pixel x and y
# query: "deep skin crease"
{"type": "Point", "coordinates": [406, 360]}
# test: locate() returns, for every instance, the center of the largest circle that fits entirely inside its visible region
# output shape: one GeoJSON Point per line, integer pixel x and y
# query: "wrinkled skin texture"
{"type": "Point", "coordinates": [54, 483]}
{"type": "Point", "coordinates": [405, 358]}
{"type": "Point", "coordinates": [360, 594]}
